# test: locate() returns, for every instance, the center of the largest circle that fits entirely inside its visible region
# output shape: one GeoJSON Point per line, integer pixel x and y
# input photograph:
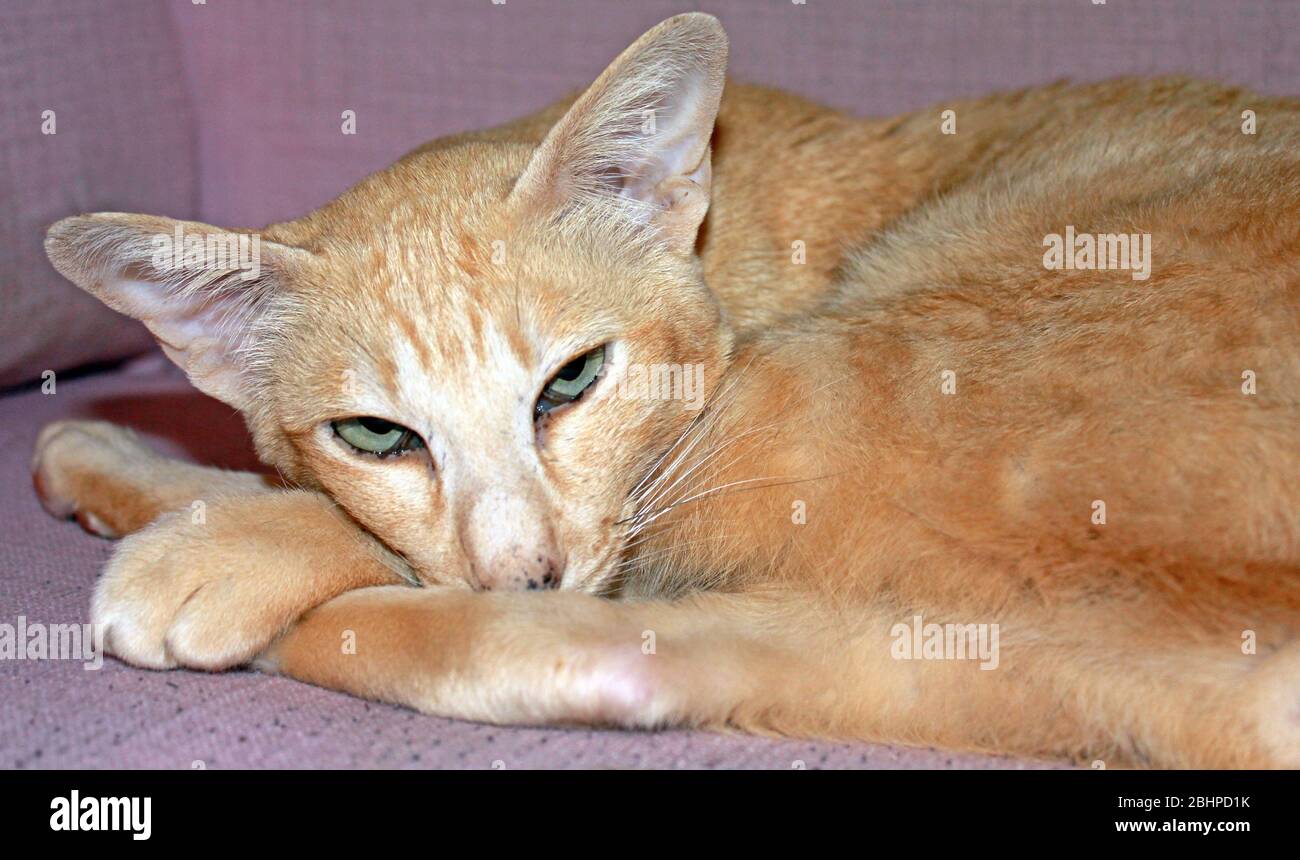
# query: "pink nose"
{"type": "Point", "coordinates": [511, 545]}
{"type": "Point", "coordinates": [510, 542]}
{"type": "Point", "coordinates": [520, 570]}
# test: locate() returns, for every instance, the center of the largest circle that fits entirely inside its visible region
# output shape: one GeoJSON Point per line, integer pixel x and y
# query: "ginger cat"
{"type": "Point", "coordinates": [910, 418]}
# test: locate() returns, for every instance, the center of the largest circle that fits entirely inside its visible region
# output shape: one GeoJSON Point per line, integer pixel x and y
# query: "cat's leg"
{"type": "Point", "coordinates": [211, 592]}
{"type": "Point", "coordinates": [529, 658]}
{"type": "Point", "coordinates": [216, 564]}
{"type": "Point", "coordinates": [1198, 705]}
{"type": "Point", "coordinates": [770, 665]}
{"type": "Point", "coordinates": [103, 476]}
{"type": "Point", "coordinates": [773, 664]}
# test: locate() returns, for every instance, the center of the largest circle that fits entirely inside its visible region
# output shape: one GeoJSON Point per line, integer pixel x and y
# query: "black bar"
{"type": "Point", "coordinates": [973, 809]}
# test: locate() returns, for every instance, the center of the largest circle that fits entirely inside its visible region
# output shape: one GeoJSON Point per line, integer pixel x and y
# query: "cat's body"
{"type": "Point", "coordinates": [910, 420]}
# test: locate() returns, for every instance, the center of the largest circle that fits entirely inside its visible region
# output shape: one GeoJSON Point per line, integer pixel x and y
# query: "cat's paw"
{"type": "Point", "coordinates": [173, 596]}
{"type": "Point", "coordinates": [86, 471]}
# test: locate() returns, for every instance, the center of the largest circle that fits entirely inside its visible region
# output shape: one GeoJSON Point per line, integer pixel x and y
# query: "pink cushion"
{"type": "Point", "coordinates": [275, 77]}
{"type": "Point", "coordinates": [124, 140]}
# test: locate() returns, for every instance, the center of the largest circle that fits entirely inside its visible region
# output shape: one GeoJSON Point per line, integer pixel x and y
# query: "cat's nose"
{"type": "Point", "coordinates": [520, 572]}
{"type": "Point", "coordinates": [511, 546]}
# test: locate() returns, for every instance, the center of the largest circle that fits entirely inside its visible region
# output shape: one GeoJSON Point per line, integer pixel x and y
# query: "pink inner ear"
{"type": "Point", "coordinates": [178, 320]}
{"type": "Point", "coordinates": [204, 329]}
{"type": "Point", "coordinates": [605, 148]}
{"type": "Point", "coordinates": [676, 148]}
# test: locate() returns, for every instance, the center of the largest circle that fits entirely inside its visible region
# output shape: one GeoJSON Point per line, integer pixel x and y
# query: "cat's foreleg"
{"type": "Point", "coordinates": [768, 662]}
{"type": "Point", "coordinates": [530, 658]}
{"type": "Point", "coordinates": [211, 592]}
{"type": "Point", "coordinates": [103, 476]}
{"type": "Point", "coordinates": [771, 663]}
{"type": "Point", "coordinates": [777, 664]}
{"type": "Point", "coordinates": [215, 563]}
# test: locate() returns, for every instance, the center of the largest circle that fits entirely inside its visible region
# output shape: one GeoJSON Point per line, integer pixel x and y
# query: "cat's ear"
{"type": "Point", "coordinates": [205, 293]}
{"type": "Point", "coordinates": [639, 136]}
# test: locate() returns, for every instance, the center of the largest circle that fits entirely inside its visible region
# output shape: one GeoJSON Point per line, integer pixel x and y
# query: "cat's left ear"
{"type": "Point", "coordinates": [638, 138]}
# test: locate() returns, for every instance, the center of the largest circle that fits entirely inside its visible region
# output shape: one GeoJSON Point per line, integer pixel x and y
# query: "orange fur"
{"type": "Point", "coordinates": [915, 419]}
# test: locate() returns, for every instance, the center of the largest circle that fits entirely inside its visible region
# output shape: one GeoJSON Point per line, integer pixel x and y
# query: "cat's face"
{"type": "Point", "coordinates": [501, 362]}
{"type": "Point", "coordinates": [480, 352]}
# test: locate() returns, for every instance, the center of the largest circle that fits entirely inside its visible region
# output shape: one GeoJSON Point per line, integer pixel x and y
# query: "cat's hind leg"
{"type": "Point", "coordinates": [106, 478]}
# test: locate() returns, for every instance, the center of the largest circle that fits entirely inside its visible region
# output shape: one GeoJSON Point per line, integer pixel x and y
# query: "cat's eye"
{"type": "Point", "coordinates": [377, 436]}
{"type": "Point", "coordinates": [571, 381]}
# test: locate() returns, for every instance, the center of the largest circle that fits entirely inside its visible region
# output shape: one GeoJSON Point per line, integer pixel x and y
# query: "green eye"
{"type": "Point", "coordinates": [571, 381]}
{"type": "Point", "coordinates": [376, 436]}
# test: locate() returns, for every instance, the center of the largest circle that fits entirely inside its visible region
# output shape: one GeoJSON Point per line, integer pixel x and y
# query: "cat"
{"type": "Point", "coordinates": [925, 422]}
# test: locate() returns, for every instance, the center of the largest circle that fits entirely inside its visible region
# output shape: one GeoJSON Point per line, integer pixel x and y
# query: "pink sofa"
{"type": "Point", "coordinates": [229, 112]}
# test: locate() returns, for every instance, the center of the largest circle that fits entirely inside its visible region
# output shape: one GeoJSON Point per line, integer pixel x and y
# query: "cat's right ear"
{"type": "Point", "coordinates": [206, 294]}
{"type": "Point", "coordinates": [636, 143]}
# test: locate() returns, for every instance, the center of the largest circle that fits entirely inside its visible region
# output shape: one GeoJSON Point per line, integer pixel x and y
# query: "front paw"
{"type": "Point", "coordinates": [90, 471]}
{"type": "Point", "coordinates": [174, 595]}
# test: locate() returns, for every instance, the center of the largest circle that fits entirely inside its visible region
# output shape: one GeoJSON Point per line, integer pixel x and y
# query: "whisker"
{"type": "Point", "coordinates": [751, 431]}
{"type": "Point", "coordinates": [711, 411]}
{"type": "Point", "coordinates": [681, 469]}
{"type": "Point", "coordinates": [698, 428]}
{"type": "Point", "coordinates": [709, 455]}
{"type": "Point", "coordinates": [672, 550]}
{"type": "Point", "coordinates": [714, 491]}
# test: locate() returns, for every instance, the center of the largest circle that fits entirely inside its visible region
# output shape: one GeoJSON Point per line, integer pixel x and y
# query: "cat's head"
{"type": "Point", "coordinates": [479, 352]}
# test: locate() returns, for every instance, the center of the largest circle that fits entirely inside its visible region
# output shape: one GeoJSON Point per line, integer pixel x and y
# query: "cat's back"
{"type": "Point", "coordinates": [956, 389]}
{"type": "Point", "coordinates": [1208, 170]}
{"type": "Point", "coordinates": [1109, 308]}
{"type": "Point", "coordinates": [1198, 185]}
